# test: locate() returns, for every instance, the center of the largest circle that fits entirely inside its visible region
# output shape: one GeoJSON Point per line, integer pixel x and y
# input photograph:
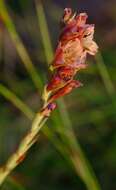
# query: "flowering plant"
{"type": "Point", "coordinates": [75, 42]}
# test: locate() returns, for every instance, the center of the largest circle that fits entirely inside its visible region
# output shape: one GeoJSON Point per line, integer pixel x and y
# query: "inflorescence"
{"type": "Point", "coordinates": [75, 42]}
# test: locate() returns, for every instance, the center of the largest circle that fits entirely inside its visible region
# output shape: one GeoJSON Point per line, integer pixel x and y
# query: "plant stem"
{"type": "Point", "coordinates": [25, 144]}
{"type": "Point", "coordinates": [6, 93]}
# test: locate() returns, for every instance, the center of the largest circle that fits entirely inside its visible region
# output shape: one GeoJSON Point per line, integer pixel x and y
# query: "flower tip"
{"type": "Point", "coordinates": [93, 48]}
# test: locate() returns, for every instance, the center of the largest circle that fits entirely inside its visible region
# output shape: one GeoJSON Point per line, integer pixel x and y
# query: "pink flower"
{"type": "Point", "coordinates": [76, 40]}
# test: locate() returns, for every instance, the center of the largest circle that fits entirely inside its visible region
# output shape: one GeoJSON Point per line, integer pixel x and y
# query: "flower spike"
{"type": "Point", "coordinates": [75, 42]}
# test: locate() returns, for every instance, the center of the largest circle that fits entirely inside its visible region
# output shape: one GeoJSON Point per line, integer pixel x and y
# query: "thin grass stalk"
{"type": "Point", "coordinates": [104, 74]}
{"type": "Point", "coordinates": [4, 91]}
{"type": "Point", "coordinates": [106, 78]}
{"type": "Point", "coordinates": [19, 45]}
{"type": "Point", "coordinates": [44, 32]}
{"type": "Point", "coordinates": [14, 184]}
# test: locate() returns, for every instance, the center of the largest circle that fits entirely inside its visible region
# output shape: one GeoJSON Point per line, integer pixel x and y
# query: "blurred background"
{"type": "Point", "coordinates": [28, 38]}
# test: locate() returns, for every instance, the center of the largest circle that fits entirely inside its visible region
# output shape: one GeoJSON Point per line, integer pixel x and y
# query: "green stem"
{"type": "Point", "coordinates": [24, 146]}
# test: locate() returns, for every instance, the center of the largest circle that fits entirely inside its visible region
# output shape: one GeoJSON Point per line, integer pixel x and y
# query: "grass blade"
{"type": "Point", "coordinates": [19, 45]}
{"type": "Point", "coordinates": [16, 101]}
{"type": "Point", "coordinates": [105, 75]}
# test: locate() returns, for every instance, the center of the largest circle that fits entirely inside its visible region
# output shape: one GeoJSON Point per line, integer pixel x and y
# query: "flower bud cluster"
{"type": "Point", "coordinates": [75, 42]}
